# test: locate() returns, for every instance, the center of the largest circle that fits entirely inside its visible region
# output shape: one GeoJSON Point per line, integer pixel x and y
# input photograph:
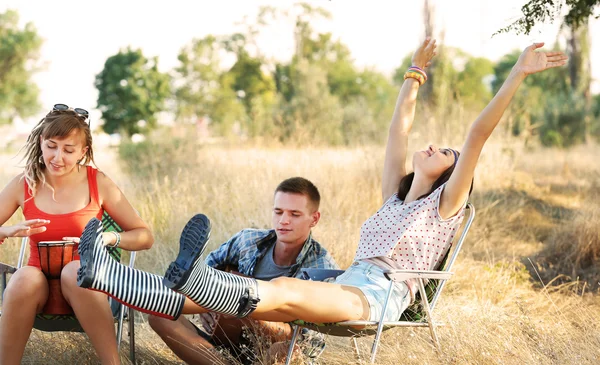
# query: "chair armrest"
{"type": "Point", "coordinates": [319, 274]}
{"type": "Point", "coordinates": [4, 268]}
{"type": "Point", "coordinates": [132, 255]}
{"type": "Point", "coordinates": [402, 275]}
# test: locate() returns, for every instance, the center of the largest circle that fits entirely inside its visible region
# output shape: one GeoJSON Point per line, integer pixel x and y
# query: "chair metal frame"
{"type": "Point", "coordinates": [69, 323]}
{"type": "Point", "coordinates": [347, 328]}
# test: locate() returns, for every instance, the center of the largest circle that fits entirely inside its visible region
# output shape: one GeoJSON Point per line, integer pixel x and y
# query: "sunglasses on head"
{"type": "Point", "coordinates": [80, 111]}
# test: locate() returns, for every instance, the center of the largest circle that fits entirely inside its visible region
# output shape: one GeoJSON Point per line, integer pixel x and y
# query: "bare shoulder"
{"type": "Point", "coordinates": [102, 177]}
{"type": "Point", "coordinates": [15, 189]}
{"type": "Point", "coordinates": [106, 186]}
{"type": "Point", "coordinates": [16, 183]}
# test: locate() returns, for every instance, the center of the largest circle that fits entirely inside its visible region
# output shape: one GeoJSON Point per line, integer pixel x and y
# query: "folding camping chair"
{"type": "Point", "coordinates": [429, 283]}
{"type": "Point", "coordinates": [68, 322]}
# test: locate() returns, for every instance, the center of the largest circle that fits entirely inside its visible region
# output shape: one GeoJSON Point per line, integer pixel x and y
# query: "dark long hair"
{"type": "Point", "coordinates": [406, 182]}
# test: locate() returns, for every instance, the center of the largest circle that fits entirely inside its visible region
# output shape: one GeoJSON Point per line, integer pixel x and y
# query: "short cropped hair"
{"type": "Point", "coordinates": [300, 185]}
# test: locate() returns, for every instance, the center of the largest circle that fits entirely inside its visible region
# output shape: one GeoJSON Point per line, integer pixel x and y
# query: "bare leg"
{"type": "Point", "coordinates": [279, 300]}
{"type": "Point", "coordinates": [183, 339]}
{"type": "Point", "coordinates": [25, 295]}
{"type": "Point", "coordinates": [287, 299]}
{"type": "Point", "coordinates": [93, 312]}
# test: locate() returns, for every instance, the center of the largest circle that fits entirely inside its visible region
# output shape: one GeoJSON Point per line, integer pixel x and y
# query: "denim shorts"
{"type": "Point", "coordinates": [373, 284]}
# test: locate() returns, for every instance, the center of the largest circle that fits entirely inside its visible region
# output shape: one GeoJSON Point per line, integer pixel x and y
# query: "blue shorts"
{"type": "Point", "coordinates": [373, 284]}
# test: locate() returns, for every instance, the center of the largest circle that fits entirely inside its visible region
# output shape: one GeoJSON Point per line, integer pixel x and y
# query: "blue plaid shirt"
{"type": "Point", "coordinates": [248, 246]}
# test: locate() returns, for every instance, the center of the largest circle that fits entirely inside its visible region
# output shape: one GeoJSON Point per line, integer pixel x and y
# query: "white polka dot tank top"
{"type": "Point", "coordinates": [412, 235]}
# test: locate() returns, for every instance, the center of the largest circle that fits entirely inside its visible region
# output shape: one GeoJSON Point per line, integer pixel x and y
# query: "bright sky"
{"type": "Point", "coordinates": [81, 35]}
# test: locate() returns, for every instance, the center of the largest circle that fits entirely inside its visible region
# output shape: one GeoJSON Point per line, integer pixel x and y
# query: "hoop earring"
{"type": "Point", "coordinates": [41, 160]}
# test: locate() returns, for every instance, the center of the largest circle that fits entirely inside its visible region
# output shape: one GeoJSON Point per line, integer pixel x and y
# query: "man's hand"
{"type": "Point", "coordinates": [208, 321]}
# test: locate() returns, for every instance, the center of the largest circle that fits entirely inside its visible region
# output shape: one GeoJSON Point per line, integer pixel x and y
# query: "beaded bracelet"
{"type": "Point", "coordinates": [414, 75]}
{"type": "Point", "coordinates": [117, 238]}
{"type": "Point", "coordinates": [419, 70]}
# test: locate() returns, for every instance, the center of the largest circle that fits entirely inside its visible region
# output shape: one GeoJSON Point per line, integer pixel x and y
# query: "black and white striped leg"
{"type": "Point", "coordinates": [137, 289]}
{"type": "Point", "coordinates": [209, 288]}
{"type": "Point", "coordinates": [221, 292]}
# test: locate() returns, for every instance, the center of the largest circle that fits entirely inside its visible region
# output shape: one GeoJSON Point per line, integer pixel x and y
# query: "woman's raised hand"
{"type": "Point", "coordinates": [531, 61]}
{"type": "Point", "coordinates": [423, 55]}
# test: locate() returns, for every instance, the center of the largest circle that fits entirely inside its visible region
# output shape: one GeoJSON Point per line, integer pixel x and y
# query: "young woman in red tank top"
{"type": "Point", "coordinates": [59, 193]}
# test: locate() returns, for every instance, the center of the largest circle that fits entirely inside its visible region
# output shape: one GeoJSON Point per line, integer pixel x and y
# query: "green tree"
{"type": "Point", "coordinates": [196, 79]}
{"type": "Point", "coordinates": [131, 90]}
{"type": "Point", "coordinates": [472, 88]}
{"type": "Point", "coordinates": [249, 79]}
{"type": "Point", "coordinates": [595, 130]}
{"type": "Point", "coordinates": [19, 52]}
{"type": "Point", "coordinates": [314, 115]}
{"type": "Point", "coordinates": [226, 108]}
{"type": "Point", "coordinates": [546, 104]}
{"type": "Point", "coordinates": [204, 89]}
{"type": "Point", "coordinates": [539, 11]}
{"type": "Point", "coordinates": [367, 114]}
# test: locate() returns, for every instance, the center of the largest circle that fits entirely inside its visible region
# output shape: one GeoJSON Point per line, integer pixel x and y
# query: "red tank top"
{"type": "Point", "coordinates": [61, 225]}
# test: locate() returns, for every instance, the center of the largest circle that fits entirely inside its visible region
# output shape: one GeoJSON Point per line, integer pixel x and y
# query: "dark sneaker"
{"type": "Point", "coordinates": [88, 245]}
{"type": "Point", "coordinates": [192, 243]}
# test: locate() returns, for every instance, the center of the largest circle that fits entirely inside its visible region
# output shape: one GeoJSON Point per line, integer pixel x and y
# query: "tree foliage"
{"type": "Point", "coordinates": [540, 11]}
{"type": "Point", "coordinates": [19, 52]}
{"type": "Point", "coordinates": [320, 95]}
{"type": "Point", "coordinates": [131, 92]}
{"type": "Point", "coordinates": [197, 78]}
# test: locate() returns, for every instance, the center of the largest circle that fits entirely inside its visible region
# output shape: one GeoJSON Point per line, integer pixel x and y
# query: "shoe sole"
{"type": "Point", "coordinates": [192, 243]}
{"type": "Point", "coordinates": [85, 274]}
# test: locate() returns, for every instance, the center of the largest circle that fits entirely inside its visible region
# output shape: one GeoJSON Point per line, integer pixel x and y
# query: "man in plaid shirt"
{"type": "Point", "coordinates": [262, 254]}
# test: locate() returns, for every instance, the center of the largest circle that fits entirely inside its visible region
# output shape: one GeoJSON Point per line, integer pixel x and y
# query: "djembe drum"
{"type": "Point", "coordinates": [54, 255]}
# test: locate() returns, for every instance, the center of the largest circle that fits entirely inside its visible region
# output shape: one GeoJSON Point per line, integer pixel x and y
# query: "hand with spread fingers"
{"type": "Point", "coordinates": [24, 229]}
{"type": "Point", "coordinates": [532, 61]}
{"type": "Point", "coordinates": [423, 55]}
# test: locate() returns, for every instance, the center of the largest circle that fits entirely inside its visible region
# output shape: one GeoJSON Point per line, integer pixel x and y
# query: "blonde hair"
{"type": "Point", "coordinates": [55, 124]}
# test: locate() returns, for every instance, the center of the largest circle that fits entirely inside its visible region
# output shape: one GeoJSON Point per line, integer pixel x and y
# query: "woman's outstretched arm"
{"type": "Point", "coordinates": [457, 189]}
{"type": "Point", "coordinates": [394, 167]}
{"type": "Point", "coordinates": [9, 203]}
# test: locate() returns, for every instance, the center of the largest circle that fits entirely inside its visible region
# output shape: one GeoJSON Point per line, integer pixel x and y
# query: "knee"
{"type": "Point", "coordinates": [283, 283]}
{"type": "Point", "coordinates": [68, 275]}
{"type": "Point", "coordinates": [27, 283]}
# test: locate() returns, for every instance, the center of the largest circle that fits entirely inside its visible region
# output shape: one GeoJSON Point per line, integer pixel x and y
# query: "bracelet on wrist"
{"type": "Point", "coordinates": [414, 75]}
{"type": "Point", "coordinates": [117, 239]}
{"type": "Point", "coordinates": [418, 70]}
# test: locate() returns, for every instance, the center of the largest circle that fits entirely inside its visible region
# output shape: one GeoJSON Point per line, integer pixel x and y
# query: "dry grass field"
{"type": "Point", "coordinates": [526, 285]}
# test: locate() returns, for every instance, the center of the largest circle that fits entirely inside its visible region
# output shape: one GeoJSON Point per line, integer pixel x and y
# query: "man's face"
{"type": "Point", "coordinates": [293, 217]}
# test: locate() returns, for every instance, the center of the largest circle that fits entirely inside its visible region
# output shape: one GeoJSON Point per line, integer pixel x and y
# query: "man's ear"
{"type": "Point", "coordinates": [315, 218]}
